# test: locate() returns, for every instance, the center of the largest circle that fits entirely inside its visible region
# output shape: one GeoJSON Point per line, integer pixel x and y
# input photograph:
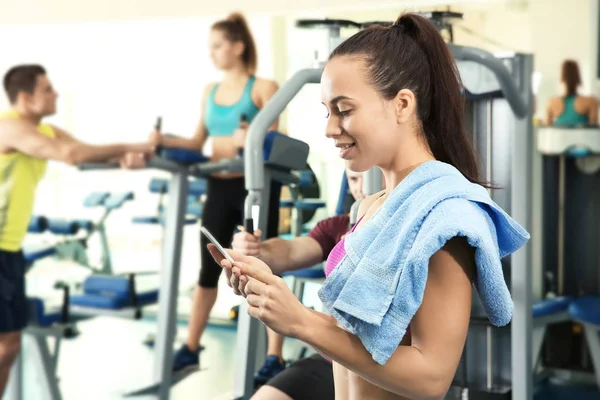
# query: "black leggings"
{"type": "Point", "coordinates": [223, 212]}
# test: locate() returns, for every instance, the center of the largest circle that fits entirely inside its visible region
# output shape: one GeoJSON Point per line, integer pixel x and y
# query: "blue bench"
{"type": "Point", "coordinates": [196, 188]}
{"type": "Point", "coordinates": [33, 254]}
{"type": "Point", "coordinates": [586, 311]}
{"type": "Point", "coordinates": [43, 323]}
{"type": "Point", "coordinates": [112, 293]}
{"type": "Point", "coordinates": [547, 312]}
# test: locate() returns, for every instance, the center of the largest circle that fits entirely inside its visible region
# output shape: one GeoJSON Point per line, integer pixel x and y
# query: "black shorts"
{"type": "Point", "coordinates": [13, 303]}
{"type": "Point", "coordinates": [308, 379]}
{"type": "Point", "coordinates": [223, 211]}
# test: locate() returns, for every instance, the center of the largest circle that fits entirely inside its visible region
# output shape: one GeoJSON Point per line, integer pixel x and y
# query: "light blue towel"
{"type": "Point", "coordinates": [378, 286]}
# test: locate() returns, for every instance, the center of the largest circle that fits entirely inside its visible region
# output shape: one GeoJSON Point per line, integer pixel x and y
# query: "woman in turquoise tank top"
{"type": "Point", "coordinates": [228, 107]}
{"type": "Point", "coordinates": [572, 109]}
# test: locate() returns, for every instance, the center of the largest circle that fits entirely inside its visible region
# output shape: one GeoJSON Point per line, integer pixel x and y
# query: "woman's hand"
{"type": "Point", "coordinates": [133, 161]}
{"type": "Point", "coordinates": [155, 138]}
{"type": "Point", "coordinates": [271, 301]}
{"type": "Point", "coordinates": [235, 279]}
{"type": "Point", "coordinates": [239, 138]}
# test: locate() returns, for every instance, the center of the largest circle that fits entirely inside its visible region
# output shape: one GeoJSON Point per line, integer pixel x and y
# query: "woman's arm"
{"type": "Point", "coordinates": [425, 369]}
{"type": "Point", "coordinates": [593, 111]}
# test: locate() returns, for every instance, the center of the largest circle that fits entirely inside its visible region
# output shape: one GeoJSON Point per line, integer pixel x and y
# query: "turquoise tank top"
{"type": "Point", "coordinates": [224, 120]}
{"type": "Point", "coordinates": [569, 116]}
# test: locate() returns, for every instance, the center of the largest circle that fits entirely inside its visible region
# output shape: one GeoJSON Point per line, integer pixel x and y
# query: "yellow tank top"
{"type": "Point", "coordinates": [20, 176]}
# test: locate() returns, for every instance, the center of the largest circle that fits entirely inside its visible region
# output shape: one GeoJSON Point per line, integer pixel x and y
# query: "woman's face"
{"type": "Point", "coordinates": [223, 52]}
{"type": "Point", "coordinates": [363, 124]}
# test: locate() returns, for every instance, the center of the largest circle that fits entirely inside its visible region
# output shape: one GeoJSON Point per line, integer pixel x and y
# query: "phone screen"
{"type": "Point", "coordinates": [218, 246]}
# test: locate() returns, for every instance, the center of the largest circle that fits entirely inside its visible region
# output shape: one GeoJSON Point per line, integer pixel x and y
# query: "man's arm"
{"type": "Point", "coordinates": [23, 136]}
{"type": "Point", "coordinates": [290, 255]}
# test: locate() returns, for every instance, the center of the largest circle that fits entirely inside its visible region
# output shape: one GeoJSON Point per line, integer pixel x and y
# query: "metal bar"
{"type": "Point", "coordinates": [253, 153]}
{"type": "Point", "coordinates": [561, 223]}
{"type": "Point", "coordinates": [167, 303]}
{"type": "Point", "coordinates": [227, 165]}
{"type": "Point", "coordinates": [155, 162]}
{"type": "Point", "coordinates": [14, 389]}
{"type": "Point", "coordinates": [509, 88]}
{"type": "Point", "coordinates": [521, 268]}
{"type": "Point", "coordinates": [489, 167]}
{"type": "Point", "coordinates": [251, 338]}
{"type": "Point", "coordinates": [46, 369]}
{"type": "Point", "coordinates": [372, 181]}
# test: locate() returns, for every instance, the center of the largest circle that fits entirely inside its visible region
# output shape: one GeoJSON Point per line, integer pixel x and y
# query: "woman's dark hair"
{"type": "Point", "coordinates": [570, 76]}
{"type": "Point", "coordinates": [21, 78]}
{"type": "Point", "coordinates": [236, 29]}
{"type": "Point", "coordinates": [411, 54]}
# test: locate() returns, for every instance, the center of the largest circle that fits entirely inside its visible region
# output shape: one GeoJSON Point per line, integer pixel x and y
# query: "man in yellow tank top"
{"type": "Point", "coordinates": [25, 146]}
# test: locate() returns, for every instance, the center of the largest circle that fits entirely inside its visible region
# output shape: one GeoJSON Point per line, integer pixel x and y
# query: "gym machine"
{"type": "Point", "coordinates": [280, 157]}
{"type": "Point", "coordinates": [507, 97]}
{"type": "Point", "coordinates": [570, 166]}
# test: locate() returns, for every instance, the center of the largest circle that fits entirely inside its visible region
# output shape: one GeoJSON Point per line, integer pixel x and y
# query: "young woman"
{"type": "Point", "coordinates": [312, 377]}
{"type": "Point", "coordinates": [572, 108]}
{"type": "Point", "coordinates": [228, 106]}
{"type": "Point", "coordinates": [393, 95]}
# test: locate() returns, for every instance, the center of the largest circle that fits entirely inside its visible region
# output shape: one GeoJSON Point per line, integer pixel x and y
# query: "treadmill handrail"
{"type": "Point", "coordinates": [507, 84]}
{"type": "Point", "coordinates": [155, 163]}
{"type": "Point", "coordinates": [255, 139]}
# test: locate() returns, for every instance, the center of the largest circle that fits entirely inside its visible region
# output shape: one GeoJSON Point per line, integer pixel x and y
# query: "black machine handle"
{"type": "Point", "coordinates": [133, 297]}
{"type": "Point", "coordinates": [158, 127]}
{"type": "Point", "coordinates": [249, 225]}
{"type": "Point", "coordinates": [243, 119]}
{"type": "Point", "coordinates": [326, 23]}
{"type": "Point", "coordinates": [69, 331]}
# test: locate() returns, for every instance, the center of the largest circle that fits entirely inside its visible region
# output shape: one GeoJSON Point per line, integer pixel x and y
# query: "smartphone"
{"type": "Point", "coordinates": [217, 245]}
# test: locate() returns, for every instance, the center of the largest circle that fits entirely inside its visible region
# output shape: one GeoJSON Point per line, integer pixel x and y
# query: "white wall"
{"type": "Point", "coordinates": [114, 79]}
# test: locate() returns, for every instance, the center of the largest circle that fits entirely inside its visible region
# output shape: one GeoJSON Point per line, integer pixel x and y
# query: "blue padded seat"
{"type": "Point", "coordinates": [197, 187]}
{"type": "Point", "coordinates": [116, 200]}
{"type": "Point", "coordinates": [110, 292]}
{"type": "Point", "coordinates": [158, 185]}
{"type": "Point", "coordinates": [195, 210]}
{"type": "Point", "coordinates": [37, 224]}
{"type": "Point", "coordinates": [32, 255]}
{"type": "Point", "coordinates": [95, 199]}
{"type": "Point", "coordinates": [37, 315]}
{"type": "Point", "coordinates": [183, 156]}
{"type": "Point", "coordinates": [286, 204]}
{"type": "Point", "coordinates": [309, 204]}
{"type": "Point", "coordinates": [307, 178]}
{"type": "Point", "coordinates": [577, 152]}
{"type": "Point", "coordinates": [62, 226]}
{"type": "Point", "coordinates": [85, 224]}
{"type": "Point", "coordinates": [153, 220]}
{"type": "Point", "coordinates": [586, 309]}
{"type": "Point", "coordinates": [547, 307]}
{"type": "Point", "coordinates": [307, 273]}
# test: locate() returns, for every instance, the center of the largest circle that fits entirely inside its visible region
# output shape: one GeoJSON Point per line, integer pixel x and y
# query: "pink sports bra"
{"type": "Point", "coordinates": [337, 253]}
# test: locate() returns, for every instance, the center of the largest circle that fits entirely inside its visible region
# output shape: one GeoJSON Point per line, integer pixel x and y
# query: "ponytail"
{"type": "Point", "coordinates": [235, 28]}
{"type": "Point", "coordinates": [411, 54]}
{"type": "Point", "coordinates": [570, 76]}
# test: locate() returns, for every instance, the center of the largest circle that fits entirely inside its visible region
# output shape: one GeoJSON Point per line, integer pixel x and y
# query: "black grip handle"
{"type": "Point", "coordinates": [243, 119]}
{"type": "Point", "coordinates": [249, 226]}
{"type": "Point", "coordinates": [158, 127]}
